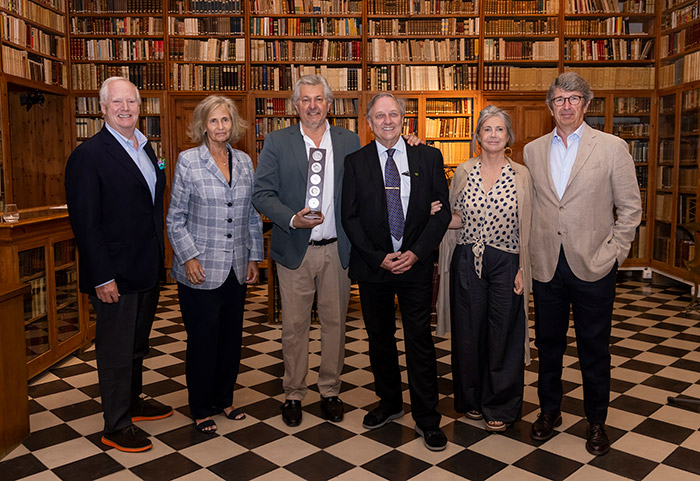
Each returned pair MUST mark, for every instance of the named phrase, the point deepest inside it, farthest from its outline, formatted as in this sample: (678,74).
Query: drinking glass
(11,213)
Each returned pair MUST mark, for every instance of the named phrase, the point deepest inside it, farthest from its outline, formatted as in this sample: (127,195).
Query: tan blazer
(523,190)
(583,221)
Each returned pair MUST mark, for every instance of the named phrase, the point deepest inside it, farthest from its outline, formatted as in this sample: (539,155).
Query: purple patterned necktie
(393,196)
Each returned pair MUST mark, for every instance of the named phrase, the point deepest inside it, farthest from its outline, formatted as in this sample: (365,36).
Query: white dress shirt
(562,158)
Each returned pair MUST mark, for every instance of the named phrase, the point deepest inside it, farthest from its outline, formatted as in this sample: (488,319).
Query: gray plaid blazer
(212,221)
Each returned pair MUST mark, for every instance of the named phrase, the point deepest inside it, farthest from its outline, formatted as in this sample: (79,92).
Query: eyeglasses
(573,100)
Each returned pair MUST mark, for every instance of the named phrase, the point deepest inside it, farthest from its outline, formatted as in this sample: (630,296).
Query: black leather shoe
(597,441)
(332,408)
(434,439)
(130,440)
(146,409)
(291,413)
(543,428)
(379,417)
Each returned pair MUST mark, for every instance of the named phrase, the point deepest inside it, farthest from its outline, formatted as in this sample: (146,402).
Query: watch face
(316,167)
(315,179)
(314,190)
(314,203)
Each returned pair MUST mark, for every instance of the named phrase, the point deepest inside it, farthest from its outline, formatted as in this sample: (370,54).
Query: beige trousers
(320,272)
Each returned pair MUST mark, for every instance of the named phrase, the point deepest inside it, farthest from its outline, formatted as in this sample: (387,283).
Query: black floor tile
(472,466)
(270,388)
(464,434)
(50,436)
(320,466)
(324,435)
(396,466)
(184,437)
(548,465)
(624,464)
(667,384)
(244,467)
(162,387)
(79,410)
(20,467)
(51,387)
(663,431)
(87,469)
(165,468)
(256,435)
(264,409)
(635,405)
(685,459)
(392,434)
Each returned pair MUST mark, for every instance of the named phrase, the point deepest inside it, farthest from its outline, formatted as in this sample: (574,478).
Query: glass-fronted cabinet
(663,186)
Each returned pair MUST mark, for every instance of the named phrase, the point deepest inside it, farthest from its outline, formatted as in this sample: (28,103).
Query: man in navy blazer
(114,190)
(311,253)
(390,260)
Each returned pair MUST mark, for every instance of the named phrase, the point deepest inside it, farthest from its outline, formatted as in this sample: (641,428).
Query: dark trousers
(121,342)
(213,320)
(488,334)
(378,310)
(592,305)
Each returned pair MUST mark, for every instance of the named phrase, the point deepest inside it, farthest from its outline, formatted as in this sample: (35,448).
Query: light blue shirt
(139,156)
(562,158)
(401,160)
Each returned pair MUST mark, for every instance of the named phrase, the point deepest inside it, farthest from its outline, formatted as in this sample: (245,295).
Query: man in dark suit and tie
(386,210)
(114,190)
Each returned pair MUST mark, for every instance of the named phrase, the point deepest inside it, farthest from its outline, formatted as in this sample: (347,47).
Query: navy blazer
(280,190)
(366,220)
(117,227)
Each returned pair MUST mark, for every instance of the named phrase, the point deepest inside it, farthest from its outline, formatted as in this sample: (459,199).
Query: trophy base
(314,214)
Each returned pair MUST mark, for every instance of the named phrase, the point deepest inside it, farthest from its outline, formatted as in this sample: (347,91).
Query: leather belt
(322,242)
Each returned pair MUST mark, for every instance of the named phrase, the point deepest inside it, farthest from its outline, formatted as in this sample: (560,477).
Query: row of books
(642,176)
(666,148)
(449,106)
(20,33)
(633,129)
(612,78)
(604,26)
(410,126)
(267,26)
(185,76)
(448,127)
(55,4)
(688,152)
(91,106)
(596,106)
(305,6)
(541,26)
(316,51)
(31,262)
(608,49)
(422,77)
(87,127)
(211,50)
(265,125)
(680,17)
(117,49)
(421,7)
(677,42)
(502,49)
(205,26)
(116,6)
(116,26)
(89,76)
(639,244)
(33,67)
(688,177)
(610,6)
(632,105)
(550,7)
(411,106)
(639,150)
(453,153)
(231,7)
(35,302)
(664,177)
(663,206)
(448,50)
(432,26)
(346,123)
(283,77)
(36,13)
(691,99)
(503,77)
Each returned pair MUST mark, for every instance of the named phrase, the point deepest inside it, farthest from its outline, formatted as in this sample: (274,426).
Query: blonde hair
(197,129)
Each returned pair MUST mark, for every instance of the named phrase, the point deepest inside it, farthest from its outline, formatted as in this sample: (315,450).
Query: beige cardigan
(523,188)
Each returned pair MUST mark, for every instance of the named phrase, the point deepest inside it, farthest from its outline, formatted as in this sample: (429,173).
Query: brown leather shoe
(543,428)
(597,441)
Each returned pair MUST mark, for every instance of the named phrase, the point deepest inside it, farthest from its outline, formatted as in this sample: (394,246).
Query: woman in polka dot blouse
(489,276)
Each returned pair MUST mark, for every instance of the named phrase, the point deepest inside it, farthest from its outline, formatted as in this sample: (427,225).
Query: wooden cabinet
(40,252)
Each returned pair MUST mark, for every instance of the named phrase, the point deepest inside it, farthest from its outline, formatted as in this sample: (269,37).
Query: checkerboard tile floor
(656,354)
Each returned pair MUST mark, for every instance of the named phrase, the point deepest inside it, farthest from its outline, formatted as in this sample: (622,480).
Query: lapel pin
(161,163)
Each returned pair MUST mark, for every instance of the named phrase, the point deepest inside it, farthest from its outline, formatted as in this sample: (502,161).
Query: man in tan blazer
(584,215)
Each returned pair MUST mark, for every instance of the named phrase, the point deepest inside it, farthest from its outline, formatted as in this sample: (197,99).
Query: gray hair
(104,89)
(400,102)
(493,111)
(196,130)
(312,80)
(570,82)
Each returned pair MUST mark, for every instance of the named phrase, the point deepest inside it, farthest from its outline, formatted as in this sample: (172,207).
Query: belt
(322,242)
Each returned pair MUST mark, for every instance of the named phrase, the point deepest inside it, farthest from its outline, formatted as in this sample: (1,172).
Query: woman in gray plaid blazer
(216,236)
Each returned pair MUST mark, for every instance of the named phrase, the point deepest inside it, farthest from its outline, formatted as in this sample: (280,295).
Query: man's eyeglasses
(573,100)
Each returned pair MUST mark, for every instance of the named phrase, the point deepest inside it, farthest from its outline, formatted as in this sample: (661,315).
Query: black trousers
(488,334)
(377,300)
(592,305)
(213,320)
(121,342)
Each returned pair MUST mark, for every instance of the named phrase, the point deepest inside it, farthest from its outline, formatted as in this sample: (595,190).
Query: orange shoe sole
(118,447)
(151,418)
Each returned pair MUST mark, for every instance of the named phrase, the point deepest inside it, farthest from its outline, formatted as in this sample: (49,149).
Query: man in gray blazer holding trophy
(584,215)
(297,186)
